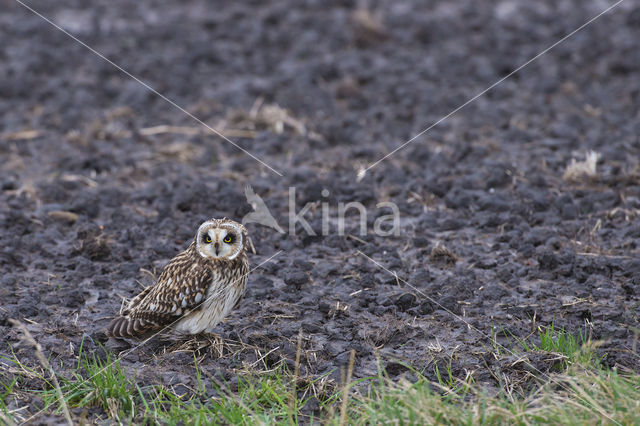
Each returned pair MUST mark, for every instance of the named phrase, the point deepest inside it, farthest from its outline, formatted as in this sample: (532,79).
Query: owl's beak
(216,246)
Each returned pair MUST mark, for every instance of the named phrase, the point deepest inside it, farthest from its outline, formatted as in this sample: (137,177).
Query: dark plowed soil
(95,197)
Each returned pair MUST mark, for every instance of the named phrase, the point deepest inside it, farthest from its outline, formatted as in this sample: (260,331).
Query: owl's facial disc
(224,241)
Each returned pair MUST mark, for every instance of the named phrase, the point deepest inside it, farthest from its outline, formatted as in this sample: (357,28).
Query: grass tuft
(576,349)
(582,392)
(100,383)
(578,396)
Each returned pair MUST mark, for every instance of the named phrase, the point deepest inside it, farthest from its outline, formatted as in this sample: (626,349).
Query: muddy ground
(102,182)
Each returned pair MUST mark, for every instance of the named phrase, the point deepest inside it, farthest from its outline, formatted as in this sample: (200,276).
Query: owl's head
(221,239)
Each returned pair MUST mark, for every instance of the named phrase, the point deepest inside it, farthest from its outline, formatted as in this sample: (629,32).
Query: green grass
(581,392)
(575,397)
(575,348)
(99,383)
(6,390)
(267,398)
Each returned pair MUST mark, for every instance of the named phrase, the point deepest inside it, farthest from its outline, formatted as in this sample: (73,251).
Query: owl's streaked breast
(223,294)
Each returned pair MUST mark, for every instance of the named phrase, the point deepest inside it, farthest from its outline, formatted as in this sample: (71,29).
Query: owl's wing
(136,300)
(181,288)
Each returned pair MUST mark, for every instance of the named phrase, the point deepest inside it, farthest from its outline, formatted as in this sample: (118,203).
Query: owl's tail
(123,327)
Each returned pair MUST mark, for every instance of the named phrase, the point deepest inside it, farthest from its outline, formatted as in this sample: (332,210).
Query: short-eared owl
(197,288)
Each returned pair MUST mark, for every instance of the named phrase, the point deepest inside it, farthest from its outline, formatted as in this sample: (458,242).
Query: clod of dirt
(324,307)
(405,301)
(441,254)
(94,244)
(296,278)
(368,27)
(547,261)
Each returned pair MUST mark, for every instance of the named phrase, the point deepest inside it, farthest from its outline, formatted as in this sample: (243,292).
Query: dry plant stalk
(193,131)
(22,135)
(6,420)
(296,374)
(45,364)
(579,170)
(368,25)
(345,389)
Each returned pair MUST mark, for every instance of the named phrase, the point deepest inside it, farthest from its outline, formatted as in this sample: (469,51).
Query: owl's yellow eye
(207,239)
(228,239)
